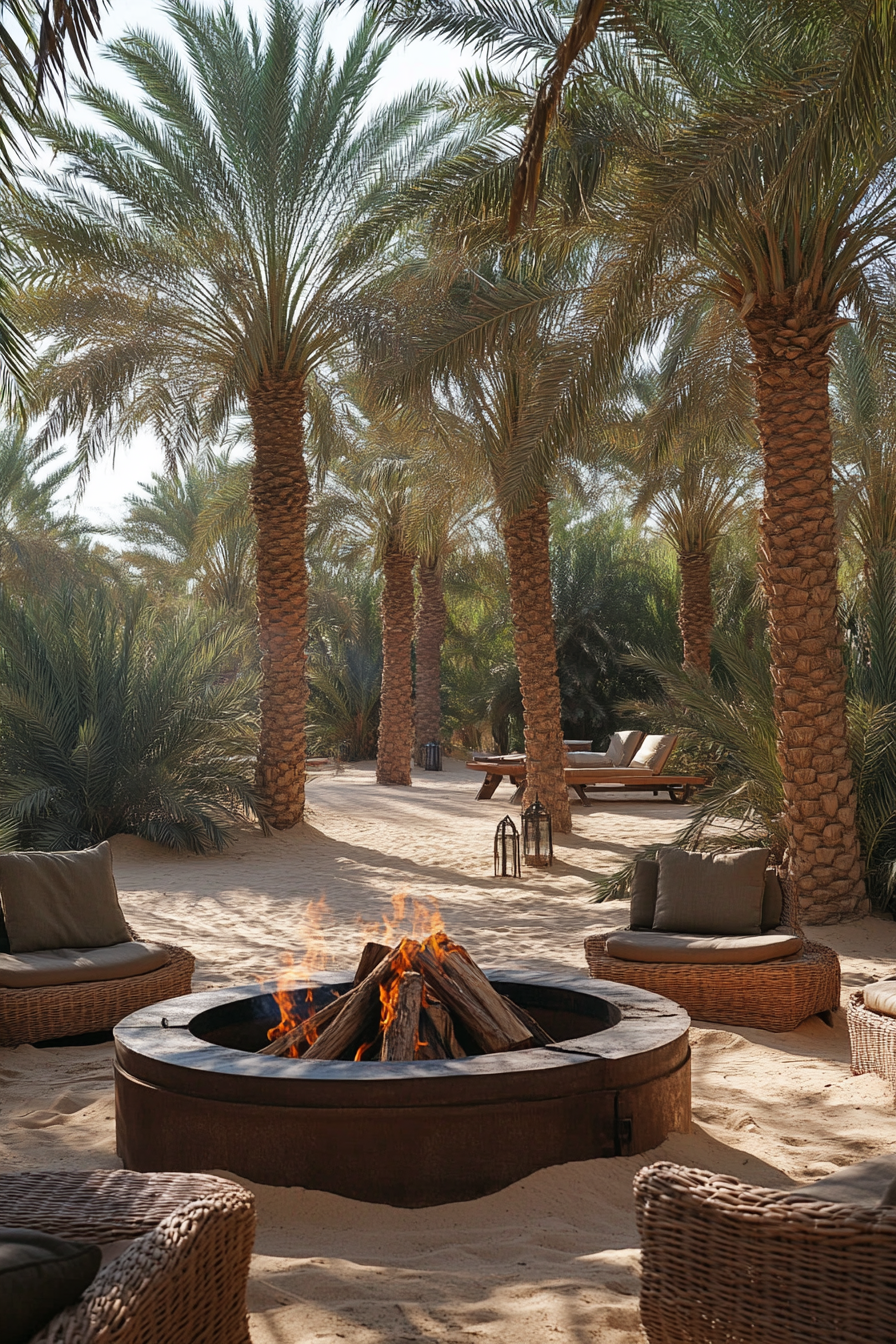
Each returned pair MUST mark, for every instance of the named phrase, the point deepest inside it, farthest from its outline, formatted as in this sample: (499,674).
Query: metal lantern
(507,849)
(432,756)
(538,841)
(345,751)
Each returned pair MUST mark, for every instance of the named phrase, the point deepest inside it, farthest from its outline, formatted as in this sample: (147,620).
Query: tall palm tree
(196,258)
(764,165)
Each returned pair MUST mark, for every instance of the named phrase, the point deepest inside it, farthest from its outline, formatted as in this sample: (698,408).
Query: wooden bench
(496,768)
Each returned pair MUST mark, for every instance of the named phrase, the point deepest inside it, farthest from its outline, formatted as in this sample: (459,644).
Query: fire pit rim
(161,1032)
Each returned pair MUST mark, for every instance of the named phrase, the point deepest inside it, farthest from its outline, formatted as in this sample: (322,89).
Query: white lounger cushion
(881,997)
(74,965)
(618,755)
(654,752)
(701,950)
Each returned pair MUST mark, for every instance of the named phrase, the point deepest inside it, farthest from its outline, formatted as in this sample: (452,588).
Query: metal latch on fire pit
(623,1136)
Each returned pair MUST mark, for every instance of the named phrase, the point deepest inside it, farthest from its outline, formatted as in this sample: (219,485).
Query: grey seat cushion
(39,1276)
(881,997)
(868,1184)
(642,891)
(62,899)
(699,950)
(710,893)
(72,965)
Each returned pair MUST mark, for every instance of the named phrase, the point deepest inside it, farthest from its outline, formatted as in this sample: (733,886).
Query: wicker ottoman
(774,995)
(872,1040)
(182,1279)
(45,1013)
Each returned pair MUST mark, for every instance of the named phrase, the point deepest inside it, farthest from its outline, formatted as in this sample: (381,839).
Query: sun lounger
(643,775)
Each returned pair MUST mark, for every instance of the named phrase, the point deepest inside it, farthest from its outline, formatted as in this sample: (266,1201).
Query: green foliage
(345,666)
(614,590)
(113,720)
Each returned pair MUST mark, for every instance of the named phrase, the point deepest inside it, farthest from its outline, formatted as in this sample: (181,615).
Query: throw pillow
(710,893)
(643,893)
(66,899)
(39,1276)
(772,901)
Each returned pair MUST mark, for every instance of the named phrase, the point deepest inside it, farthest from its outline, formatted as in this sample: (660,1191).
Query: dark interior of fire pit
(243,1024)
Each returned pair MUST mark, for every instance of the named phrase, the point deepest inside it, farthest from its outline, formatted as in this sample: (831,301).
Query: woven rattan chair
(729,1263)
(775,995)
(181,1281)
(872,1039)
(53,1011)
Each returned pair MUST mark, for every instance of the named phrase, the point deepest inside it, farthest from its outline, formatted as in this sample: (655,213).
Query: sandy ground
(554,1257)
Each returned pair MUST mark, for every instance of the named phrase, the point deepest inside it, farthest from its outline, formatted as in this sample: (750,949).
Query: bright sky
(110,481)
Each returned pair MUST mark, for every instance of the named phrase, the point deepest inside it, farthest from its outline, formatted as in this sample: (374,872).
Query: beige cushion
(618,755)
(870,1184)
(71,965)
(629,742)
(710,893)
(581,759)
(647,945)
(654,752)
(881,997)
(65,899)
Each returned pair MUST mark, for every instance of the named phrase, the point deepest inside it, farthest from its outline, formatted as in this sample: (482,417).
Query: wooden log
(359,1013)
(400,1035)
(468,996)
(539,1035)
(373,954)
(435,1020)
(315,1022)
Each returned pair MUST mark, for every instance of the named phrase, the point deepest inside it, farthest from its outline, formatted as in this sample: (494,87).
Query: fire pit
(192,1093)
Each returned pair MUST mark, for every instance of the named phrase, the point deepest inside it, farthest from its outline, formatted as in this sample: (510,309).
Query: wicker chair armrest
(723,1260)
(100,1206)
(182,1281)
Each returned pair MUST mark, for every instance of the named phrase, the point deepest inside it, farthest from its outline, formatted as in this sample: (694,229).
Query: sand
(554,1257)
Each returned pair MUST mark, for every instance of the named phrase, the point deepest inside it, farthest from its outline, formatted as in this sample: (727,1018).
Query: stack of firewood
(424,1000)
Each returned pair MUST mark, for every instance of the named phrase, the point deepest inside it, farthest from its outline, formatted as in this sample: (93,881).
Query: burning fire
(427,935)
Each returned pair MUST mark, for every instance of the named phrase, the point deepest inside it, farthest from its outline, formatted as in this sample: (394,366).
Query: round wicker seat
(872,1039)
(775,995)
(51,1011)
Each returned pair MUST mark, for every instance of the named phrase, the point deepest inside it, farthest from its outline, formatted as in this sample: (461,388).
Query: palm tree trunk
(280,503)
(396,740)
(695,611)
(432,618)
(526,543)
(799,573)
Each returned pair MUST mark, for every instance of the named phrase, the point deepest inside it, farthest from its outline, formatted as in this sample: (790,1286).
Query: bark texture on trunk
(396,740)
(799,572)
(526,543)
(432,619)
(279,497)
(695,611)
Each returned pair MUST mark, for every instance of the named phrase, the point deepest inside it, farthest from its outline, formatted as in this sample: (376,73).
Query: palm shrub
(345,666)
(114,720)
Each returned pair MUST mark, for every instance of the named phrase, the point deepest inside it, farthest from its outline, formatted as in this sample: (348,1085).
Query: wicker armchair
(872,1039)
(775,995)
(182,1281)
(729,1263)
(52,1011)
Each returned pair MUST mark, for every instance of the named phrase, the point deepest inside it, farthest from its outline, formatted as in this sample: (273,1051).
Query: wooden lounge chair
(181,1279)
(872,1030)
(719,979)
(723,1261)
(643,775)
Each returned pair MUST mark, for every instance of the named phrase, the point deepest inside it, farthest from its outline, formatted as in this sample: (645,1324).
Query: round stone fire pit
(191,1094)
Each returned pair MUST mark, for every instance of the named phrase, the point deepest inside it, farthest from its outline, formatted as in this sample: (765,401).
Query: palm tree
(196,258)
(767,184)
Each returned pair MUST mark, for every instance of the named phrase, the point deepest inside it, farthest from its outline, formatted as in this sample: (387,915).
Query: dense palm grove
(465,443)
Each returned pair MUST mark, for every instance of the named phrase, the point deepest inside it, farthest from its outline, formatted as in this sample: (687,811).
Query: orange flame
(315,958)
